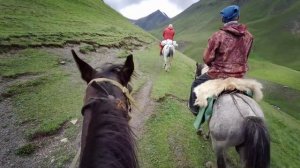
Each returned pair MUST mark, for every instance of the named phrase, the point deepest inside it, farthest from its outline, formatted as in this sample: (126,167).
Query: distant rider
(168,33)
(226,53)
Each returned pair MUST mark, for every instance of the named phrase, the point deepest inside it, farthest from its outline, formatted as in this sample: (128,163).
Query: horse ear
(87,72)
(127,69)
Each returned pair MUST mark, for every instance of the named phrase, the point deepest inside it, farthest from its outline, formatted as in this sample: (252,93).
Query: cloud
(120,4)
(135,9)
(183,4)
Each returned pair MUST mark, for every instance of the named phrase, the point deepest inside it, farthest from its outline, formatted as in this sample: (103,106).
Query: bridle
(129,99)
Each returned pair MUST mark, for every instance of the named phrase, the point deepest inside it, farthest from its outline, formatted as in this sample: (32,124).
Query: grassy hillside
(274,24)
(57,22)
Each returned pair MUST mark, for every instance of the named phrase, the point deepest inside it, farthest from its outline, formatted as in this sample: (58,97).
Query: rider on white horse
(168,34)
(227,52)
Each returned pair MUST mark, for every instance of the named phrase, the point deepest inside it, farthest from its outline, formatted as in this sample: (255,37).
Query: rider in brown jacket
(227,51)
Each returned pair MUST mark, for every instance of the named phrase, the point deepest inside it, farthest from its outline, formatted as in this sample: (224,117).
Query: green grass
(275,73)
(26,150)
(86,49)
(31,23)
(26,62)
(285,98)
(285,132)
(123,53)
(171,141)
(46,101)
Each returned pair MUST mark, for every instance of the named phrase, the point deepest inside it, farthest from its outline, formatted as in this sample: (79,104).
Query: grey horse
(238,121)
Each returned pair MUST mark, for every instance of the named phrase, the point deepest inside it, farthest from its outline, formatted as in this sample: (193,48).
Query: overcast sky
(135,9)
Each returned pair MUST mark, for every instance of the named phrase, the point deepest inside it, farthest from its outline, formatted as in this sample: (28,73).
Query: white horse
(168,52)
(238,121)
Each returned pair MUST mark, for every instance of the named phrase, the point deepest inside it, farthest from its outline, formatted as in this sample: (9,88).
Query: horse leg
(241,151)
(171,59)
(167,64)
(220,152)
(220,158)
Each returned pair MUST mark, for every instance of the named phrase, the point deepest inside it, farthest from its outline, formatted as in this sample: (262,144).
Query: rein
(237,106)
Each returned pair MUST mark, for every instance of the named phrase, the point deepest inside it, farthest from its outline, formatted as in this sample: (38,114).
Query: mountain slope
(274,24)
(55,22)
(152,21)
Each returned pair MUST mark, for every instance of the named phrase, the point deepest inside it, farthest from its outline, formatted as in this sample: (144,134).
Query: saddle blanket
(169,42)
(208,91)
(212,88)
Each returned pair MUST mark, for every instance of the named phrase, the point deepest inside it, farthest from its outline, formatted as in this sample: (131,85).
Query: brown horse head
(106,136)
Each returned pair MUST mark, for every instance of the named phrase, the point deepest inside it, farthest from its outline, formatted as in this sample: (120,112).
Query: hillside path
(146,105)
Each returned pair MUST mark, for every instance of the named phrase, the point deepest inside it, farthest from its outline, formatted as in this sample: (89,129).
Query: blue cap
(230,13)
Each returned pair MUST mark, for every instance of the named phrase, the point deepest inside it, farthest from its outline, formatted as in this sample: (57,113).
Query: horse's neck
(109,141)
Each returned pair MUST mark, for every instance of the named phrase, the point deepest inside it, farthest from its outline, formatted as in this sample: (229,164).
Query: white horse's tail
(171,52)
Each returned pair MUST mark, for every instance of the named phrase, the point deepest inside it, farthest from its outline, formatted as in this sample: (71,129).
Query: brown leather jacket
(227,51)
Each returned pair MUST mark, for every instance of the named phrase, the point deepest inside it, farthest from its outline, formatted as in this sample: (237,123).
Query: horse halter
(124,90)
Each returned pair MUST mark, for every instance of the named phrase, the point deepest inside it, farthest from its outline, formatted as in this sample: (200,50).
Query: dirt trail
(146,105)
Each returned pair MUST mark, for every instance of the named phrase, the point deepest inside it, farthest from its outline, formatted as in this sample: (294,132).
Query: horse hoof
(200,131)
(206,137)
(209,164)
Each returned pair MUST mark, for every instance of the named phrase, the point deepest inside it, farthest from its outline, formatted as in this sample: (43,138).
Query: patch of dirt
(11,133)
(178,153)
(295,28)
(182,45)
(146,109)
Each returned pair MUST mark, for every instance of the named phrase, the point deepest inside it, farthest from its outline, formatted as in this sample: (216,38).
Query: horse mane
(109,142)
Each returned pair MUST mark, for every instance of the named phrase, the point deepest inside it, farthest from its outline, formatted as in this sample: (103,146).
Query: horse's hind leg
(220,152)
(241,151)
(220,158)
(167,64)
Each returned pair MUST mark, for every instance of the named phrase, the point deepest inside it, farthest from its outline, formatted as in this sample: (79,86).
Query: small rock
(52,160)
(285,86)
(64,140)
(62,62)
(209,164)
(74,121)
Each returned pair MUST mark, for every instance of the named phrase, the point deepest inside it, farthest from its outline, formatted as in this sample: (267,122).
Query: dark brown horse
(107,140)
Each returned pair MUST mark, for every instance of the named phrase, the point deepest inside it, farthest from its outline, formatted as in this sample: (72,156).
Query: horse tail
(170,54)
(257,143)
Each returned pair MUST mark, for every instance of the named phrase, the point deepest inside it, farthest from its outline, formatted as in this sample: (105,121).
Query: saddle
(169,42)
(209,91)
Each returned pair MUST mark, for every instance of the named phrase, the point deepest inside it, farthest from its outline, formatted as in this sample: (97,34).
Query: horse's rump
(171,52)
